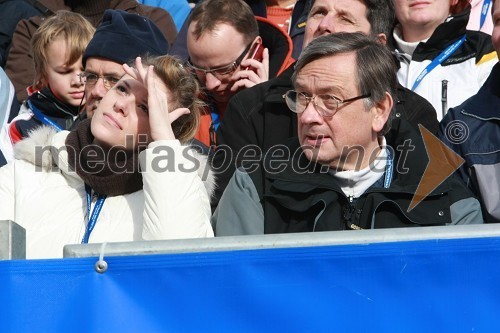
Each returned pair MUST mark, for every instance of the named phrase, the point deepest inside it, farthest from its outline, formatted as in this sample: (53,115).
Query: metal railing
(12,241)
(326,238)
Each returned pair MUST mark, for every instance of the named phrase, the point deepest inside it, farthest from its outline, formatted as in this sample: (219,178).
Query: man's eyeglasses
(326,105)
(220,72)
(91,79)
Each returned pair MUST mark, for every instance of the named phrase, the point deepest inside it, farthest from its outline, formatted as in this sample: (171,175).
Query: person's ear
(382,38)
(39,84)
(381,111)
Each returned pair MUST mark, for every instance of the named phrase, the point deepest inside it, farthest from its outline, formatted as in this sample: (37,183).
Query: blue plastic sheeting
(421,286)
(178,9)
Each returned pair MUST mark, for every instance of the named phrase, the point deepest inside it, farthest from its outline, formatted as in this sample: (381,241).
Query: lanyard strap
(214,124)
(216,119)
(92,216)
(388,169)
(438,61)
(44,119)
(484,13)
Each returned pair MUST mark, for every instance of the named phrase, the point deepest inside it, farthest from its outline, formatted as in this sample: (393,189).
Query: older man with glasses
(257,118)
(341,173)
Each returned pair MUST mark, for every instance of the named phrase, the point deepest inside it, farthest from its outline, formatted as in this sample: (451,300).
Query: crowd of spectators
(142,120)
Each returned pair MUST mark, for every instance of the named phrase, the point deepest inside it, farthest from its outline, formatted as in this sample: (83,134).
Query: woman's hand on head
(160,120)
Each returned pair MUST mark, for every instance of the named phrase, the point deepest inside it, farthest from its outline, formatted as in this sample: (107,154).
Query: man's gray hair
(376,67)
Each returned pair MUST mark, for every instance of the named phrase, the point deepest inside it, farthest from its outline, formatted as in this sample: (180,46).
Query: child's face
(64,80)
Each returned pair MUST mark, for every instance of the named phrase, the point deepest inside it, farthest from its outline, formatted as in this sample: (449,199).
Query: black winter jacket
(302,197)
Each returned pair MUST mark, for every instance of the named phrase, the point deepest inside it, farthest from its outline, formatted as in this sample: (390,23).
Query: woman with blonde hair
(124,175)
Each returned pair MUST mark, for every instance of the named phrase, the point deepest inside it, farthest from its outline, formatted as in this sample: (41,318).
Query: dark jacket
(11,12)
(297,27)
(20,67)
(258,118)
(44,101)
(472,130)
(302,196)
(298,22)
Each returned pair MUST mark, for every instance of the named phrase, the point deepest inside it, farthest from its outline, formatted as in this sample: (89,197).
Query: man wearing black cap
(120,38)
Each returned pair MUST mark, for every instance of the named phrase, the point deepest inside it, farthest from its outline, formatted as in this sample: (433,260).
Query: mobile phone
(257,53)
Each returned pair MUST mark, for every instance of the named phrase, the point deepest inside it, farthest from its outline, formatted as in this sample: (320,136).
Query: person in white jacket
(123,175)
(439,58)
(480,16)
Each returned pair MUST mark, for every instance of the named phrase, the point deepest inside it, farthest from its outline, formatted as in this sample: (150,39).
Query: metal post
(12,241)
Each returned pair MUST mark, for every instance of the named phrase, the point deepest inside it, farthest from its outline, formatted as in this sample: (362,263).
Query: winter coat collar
(485,105)
(445,34)
(46,148)
(305,193)
(45,101)
(410,162)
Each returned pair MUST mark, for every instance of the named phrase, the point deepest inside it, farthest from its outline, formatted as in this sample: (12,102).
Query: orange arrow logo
(443,162)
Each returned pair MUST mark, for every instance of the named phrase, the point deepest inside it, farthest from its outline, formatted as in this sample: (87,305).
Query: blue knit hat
(122,37)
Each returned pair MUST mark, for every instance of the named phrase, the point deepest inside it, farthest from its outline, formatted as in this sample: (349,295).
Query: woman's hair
(185,92)
(73,27)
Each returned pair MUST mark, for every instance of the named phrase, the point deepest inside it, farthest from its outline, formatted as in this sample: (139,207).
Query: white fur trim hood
(44,143)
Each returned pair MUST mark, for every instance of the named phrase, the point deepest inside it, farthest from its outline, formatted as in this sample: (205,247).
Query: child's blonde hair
(75,28)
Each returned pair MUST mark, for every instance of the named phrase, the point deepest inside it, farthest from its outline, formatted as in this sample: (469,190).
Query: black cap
(122,37)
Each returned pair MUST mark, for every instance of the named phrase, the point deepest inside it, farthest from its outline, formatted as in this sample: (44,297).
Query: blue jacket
(472,130)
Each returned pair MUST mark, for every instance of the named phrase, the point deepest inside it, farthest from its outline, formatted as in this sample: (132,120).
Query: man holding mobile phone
(226,53)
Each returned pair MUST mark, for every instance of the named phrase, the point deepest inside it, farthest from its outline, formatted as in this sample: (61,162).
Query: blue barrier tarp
(418,286)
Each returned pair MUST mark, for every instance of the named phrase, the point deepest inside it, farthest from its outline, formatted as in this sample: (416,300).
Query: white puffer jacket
(48,199)
(464,71)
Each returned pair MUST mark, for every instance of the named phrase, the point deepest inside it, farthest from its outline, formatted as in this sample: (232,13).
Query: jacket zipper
(350,212)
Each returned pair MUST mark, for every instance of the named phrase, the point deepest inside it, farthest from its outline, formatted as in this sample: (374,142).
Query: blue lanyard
(484,12)
(44,119)
(215,117)
(92,216)
(438,61)
(388,169)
